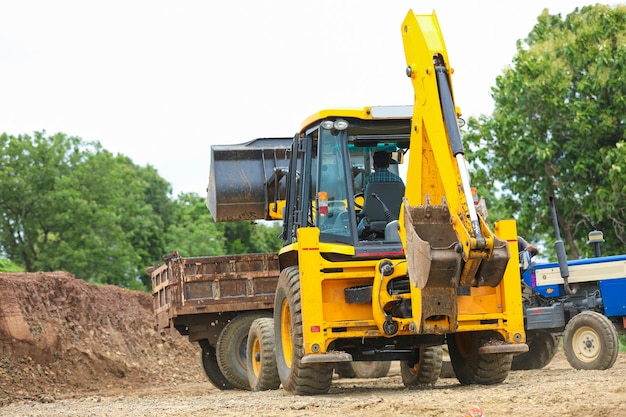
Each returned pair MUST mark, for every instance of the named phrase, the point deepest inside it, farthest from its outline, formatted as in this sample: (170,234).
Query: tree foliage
(70,205)
(246,237)
(193,232)
(558,130)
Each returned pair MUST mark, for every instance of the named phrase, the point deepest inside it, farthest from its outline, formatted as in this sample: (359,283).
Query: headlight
(341,124)
(338,124)
(327,124)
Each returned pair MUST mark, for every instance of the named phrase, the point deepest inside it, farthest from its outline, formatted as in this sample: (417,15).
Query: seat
(373,212)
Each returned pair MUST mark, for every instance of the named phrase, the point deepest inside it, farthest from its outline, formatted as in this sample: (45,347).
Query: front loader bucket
(245,179)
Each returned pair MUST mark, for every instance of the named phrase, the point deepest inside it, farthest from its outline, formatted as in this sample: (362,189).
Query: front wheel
(472,368)
(423,369)
(590,341)
(231,348)
(296,377)
(261,359)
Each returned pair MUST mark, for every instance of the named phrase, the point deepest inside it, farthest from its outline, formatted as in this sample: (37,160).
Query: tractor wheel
(231,349)
(345,370)
(261,358)
(371,369)
(296,377)
(211,368)
(472,368)
(424,369)
(590,341)
(542,346)
(363,369)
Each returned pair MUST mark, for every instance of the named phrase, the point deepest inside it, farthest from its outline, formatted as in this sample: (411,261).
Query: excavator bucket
(433,252)
(435,255)
(247,181)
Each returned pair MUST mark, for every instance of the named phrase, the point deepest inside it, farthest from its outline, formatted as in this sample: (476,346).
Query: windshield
(334,193)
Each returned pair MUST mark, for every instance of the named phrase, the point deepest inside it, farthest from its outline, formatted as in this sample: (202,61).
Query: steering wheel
(359,194)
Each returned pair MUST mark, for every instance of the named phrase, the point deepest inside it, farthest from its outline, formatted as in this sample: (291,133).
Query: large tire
(261,356)
(296,377)
(363,369)
(424,369)
(231,348)
(590,341)
(472,368)
(542,346)
(211,368)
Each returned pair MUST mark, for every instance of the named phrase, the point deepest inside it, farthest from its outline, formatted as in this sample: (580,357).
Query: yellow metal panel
(310,261)
(335,307)
(510,287)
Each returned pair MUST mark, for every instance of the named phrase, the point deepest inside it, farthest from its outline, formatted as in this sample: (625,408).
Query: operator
(523,245)
(526,251)
(381,172)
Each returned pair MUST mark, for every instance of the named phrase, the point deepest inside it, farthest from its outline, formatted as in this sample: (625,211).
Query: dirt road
(68,348)
(556,390)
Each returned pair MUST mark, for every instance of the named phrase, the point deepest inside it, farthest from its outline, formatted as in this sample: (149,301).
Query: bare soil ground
(68,348)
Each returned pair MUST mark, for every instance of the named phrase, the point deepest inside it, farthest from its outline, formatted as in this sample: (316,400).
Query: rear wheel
(296,377)
(423,369)
(472,368)
(542,346)
(211,368)
(261,358)
(231,349)
(590,341)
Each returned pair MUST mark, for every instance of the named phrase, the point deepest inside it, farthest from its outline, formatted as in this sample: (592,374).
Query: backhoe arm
(447,243)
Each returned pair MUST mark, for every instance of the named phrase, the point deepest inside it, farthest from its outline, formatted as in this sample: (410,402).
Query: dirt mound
(62,337)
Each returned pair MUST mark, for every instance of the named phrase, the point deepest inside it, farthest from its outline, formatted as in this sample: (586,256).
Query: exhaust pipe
(559,246)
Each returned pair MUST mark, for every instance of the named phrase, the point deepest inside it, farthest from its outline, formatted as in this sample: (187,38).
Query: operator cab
(332,158)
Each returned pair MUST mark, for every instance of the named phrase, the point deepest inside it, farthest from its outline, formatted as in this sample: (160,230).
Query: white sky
(161,81)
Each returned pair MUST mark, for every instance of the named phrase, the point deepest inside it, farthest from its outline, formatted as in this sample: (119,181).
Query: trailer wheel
(472,368)
(211,368)
(424,369)
(542,346)
(296,377)
(363,369)
(590,341)
(231,348)
(261,358)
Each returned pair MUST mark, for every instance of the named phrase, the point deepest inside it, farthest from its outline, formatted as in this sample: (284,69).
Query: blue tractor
(582,300)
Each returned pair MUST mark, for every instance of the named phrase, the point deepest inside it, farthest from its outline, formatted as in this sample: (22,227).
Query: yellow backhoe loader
(383,271)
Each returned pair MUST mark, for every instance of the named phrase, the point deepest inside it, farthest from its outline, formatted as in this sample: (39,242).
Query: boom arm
(438,172)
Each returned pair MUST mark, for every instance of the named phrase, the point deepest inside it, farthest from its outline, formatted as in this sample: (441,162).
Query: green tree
(251,237)
(192,231)
(8,266)
(266,238)
(558,130)
(69,205)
